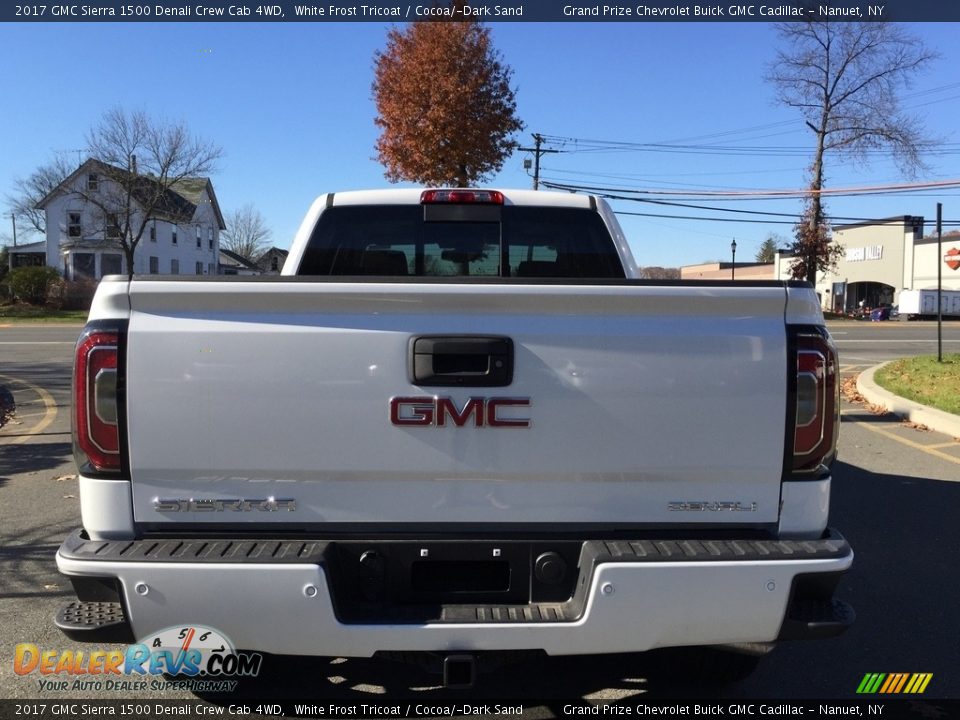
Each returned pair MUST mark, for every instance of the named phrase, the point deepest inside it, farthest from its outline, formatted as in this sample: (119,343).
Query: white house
(232,263)
(83,240)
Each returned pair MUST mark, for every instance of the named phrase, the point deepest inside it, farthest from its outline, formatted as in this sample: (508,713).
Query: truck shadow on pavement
(903,583)
(34,457)
(534,681)
(904,533)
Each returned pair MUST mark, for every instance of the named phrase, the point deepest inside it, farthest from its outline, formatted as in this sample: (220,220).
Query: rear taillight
(465,197)
(96,401)
(816,420)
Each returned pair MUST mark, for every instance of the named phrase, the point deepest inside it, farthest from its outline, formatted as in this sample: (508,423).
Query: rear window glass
(508,241)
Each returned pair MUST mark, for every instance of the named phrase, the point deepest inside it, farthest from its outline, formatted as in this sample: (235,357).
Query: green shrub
(77,295)
(32,284)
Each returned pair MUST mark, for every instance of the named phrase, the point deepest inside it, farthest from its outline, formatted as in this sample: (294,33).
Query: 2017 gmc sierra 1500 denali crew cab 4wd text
(456,423)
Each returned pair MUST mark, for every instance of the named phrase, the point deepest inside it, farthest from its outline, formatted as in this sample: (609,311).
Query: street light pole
(939,282)
(733,256)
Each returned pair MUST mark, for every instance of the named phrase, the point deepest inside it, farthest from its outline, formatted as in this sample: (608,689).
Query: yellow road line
(22,416)
(937,446)
(910,443)
(49,415)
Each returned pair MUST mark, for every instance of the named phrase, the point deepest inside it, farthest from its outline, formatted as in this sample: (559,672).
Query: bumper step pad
(94,621)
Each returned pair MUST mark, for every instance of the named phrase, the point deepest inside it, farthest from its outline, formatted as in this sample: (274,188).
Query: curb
(937,420)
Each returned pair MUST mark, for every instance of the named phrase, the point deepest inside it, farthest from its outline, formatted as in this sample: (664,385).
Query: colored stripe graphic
(894,683)
(870,683)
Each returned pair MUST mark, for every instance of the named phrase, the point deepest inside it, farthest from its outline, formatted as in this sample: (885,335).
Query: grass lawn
(925,380)
(34,314)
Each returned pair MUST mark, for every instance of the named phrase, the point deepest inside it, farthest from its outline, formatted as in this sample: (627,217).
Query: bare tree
(141,162)
(29,191)
(246,233)
(845,79)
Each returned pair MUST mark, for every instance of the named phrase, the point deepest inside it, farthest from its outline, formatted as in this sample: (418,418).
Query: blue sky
(291,106)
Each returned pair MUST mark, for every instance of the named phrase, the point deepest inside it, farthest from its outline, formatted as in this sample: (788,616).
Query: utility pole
(13,221)
(537,152)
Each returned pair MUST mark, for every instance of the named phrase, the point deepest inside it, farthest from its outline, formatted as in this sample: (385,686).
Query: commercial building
(879,260)
(728,271)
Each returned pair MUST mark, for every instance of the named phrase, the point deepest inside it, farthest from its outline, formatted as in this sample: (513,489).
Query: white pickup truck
(457,423)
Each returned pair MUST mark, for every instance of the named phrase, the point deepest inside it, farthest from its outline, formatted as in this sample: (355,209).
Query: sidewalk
(937,420)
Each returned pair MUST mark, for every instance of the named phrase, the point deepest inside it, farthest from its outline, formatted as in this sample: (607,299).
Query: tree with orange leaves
(445,107)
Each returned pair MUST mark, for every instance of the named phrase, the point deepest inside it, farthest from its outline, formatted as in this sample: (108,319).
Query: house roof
(192,189)
(37,247)
(178,202)
(232,259)
(271,252)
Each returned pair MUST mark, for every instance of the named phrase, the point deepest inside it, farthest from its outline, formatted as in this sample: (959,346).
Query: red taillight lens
(817,405)
(476,197)
(96,409)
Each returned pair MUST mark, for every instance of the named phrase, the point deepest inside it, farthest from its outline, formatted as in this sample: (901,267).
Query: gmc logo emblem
(428,411)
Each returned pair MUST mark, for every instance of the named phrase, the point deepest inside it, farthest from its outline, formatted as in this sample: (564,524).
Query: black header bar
(401,11)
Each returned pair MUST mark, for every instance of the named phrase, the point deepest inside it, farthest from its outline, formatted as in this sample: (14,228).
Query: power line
(734,210)
(854,191)
(743,220)
(583,145)
(794,218)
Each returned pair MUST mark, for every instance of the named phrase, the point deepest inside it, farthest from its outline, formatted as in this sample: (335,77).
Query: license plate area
(442,577)
(458,572)
(423,579)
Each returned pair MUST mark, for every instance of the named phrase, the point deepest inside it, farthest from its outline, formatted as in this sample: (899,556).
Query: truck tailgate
(646,405)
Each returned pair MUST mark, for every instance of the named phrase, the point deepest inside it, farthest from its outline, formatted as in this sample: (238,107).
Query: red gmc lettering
(412,411)
(446,406)
(435,411)
(493,404)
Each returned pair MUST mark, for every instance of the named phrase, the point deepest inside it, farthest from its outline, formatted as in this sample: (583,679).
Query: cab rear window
(507,241)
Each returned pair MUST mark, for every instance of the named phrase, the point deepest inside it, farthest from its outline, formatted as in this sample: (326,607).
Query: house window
(199,238)
(199,268)
(93,182)
(153,232)
(113,226)
(174,236)
(74,228)
(174,267)
(274,263)
(154,265)
(211,269)
(84,266)
(210,237)
(110,264)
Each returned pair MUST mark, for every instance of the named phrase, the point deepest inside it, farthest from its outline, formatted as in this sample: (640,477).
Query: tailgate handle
(461,361)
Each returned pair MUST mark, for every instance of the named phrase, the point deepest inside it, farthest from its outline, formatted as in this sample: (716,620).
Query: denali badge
(168,505)
(428,411)
(712,506)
